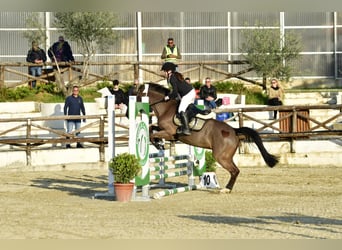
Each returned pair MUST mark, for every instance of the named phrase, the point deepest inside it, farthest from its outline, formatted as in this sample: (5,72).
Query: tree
(90,30)
(37,30)
(270,53)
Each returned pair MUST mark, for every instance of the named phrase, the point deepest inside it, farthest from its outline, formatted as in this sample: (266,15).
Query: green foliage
(266,50)
(104,84)
(91,30)
(35,21)
(48,88)
(197,85)
(43,93)
(210,161)
(15,94)
(88,94)
(223,87)
(230,87)
(124,167)
(256,97)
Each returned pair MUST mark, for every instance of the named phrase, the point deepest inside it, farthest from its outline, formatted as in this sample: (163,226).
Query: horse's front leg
(157,137)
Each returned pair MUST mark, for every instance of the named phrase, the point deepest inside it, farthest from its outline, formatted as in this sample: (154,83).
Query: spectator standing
(209,94)
(171,52)
(74,106)
(120,99)
(38,56)
(61,51)
(133,87)
(275,95)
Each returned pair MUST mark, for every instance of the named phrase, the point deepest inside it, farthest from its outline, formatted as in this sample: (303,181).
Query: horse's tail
(271,160)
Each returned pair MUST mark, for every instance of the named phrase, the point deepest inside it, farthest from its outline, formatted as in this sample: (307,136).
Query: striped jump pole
(168,167)
(168,192)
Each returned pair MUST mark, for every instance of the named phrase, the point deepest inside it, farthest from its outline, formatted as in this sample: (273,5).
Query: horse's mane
(158,88)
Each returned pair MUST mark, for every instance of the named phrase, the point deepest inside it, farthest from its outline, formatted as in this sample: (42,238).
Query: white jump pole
(111,147)
(111,140)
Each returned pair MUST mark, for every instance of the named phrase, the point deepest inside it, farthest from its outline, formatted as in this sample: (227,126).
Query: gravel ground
(279,203)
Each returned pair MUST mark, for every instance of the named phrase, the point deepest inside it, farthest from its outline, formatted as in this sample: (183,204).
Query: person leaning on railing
(275,95)
(38,56)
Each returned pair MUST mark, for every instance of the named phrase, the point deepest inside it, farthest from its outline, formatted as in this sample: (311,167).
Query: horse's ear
(140,87)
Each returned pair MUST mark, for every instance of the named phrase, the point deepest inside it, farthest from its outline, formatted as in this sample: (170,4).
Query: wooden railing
(134,68)
(32,133)
(293,122)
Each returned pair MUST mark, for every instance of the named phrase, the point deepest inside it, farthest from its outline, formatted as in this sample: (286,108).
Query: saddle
(197,117)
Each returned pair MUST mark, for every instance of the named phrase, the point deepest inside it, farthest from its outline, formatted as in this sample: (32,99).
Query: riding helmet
(169,66)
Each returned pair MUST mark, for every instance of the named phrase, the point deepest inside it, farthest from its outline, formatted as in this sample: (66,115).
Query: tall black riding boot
(185,123)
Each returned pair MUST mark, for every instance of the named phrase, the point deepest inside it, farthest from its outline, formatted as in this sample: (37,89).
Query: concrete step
(303,98)
(314,98)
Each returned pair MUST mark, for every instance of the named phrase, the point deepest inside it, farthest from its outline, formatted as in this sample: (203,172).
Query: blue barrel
(222,116)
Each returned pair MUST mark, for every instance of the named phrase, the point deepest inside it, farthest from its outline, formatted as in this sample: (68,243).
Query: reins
(162,100)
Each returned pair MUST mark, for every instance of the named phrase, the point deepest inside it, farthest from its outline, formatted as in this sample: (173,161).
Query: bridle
(146,94)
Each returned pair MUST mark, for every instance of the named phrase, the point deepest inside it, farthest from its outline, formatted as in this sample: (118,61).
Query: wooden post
(28,145)
(2,77)
(293,130)
(101,134)
(136,71)
(240,115)
(70,73)
(200,73)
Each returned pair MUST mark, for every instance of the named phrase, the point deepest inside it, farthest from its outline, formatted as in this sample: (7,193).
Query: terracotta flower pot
(123,191)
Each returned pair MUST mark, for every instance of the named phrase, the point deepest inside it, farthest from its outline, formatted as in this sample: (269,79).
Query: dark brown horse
(218,136)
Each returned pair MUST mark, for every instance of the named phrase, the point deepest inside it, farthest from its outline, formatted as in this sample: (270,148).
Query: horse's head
(154,91)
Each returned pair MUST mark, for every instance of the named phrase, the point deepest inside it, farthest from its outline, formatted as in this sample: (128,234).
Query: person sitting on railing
(120,99)
(275,95)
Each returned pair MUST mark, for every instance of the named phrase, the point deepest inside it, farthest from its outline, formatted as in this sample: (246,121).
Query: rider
(180,89)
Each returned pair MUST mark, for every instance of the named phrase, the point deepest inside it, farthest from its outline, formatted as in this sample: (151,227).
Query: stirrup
(188,132)
(179,130)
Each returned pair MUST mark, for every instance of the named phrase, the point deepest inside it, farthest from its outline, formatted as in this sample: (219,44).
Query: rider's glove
(166,98)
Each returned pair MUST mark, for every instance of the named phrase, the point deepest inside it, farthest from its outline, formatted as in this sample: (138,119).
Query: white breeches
(187,100)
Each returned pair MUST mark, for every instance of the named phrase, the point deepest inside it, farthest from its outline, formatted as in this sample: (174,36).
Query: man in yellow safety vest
(171,52)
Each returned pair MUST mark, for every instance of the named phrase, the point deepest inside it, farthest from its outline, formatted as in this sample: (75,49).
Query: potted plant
(124,167)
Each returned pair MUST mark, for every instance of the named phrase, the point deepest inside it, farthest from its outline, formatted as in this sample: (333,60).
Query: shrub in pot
(125,167)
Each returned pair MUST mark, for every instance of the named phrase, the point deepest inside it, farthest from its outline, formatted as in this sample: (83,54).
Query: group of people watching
(60,51)
(181,88)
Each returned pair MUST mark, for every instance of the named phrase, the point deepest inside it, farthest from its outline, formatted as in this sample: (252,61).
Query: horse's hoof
(225,191)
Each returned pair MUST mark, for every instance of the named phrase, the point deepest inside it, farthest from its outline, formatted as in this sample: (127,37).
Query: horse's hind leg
(234,172)
(224,156)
